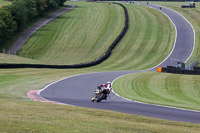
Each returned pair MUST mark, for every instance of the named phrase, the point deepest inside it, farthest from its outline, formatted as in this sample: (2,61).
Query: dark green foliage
(26,10)
(7,24)
(32,11)
(53,3)
(21,12)
(42,5)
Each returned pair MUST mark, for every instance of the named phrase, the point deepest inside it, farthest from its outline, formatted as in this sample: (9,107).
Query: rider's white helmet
(108,82)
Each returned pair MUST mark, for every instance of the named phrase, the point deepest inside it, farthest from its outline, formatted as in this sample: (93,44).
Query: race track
(78,90)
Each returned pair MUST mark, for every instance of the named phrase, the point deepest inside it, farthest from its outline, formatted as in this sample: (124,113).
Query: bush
(7,24)
(21,12)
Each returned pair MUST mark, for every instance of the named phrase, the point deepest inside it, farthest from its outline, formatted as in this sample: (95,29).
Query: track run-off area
(78,90)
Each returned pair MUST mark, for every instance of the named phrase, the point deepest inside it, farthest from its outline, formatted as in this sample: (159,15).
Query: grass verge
(23,116)
(85,32)
(19,115)
(149,40)
(192,15)
(81,35)
(181,91)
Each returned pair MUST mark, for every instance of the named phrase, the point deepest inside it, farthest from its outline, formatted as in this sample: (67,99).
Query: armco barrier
(82,65)
(188,6)
(177,70)
(197,68)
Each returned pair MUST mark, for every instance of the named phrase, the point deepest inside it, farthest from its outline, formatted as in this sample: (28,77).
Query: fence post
(189,64)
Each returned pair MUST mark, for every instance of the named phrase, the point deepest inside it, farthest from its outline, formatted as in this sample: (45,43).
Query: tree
(19,12)
(14,17)
(31,7)
(42,5)
(61,2)
(7,25)
(53,3)
(2,30)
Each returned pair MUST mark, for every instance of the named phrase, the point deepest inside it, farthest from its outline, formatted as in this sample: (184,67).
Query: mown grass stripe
(149,58)
(133,42)
(125,56)
(131,53)
(160,88)
(187,90)
(86,64)
(105,33)
(83,47)
(150,41)
(144,43)
(43,117)
(129,44)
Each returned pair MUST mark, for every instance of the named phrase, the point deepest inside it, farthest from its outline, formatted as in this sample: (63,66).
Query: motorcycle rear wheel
(100,97)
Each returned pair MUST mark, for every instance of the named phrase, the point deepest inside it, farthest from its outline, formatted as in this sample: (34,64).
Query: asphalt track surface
(78,90)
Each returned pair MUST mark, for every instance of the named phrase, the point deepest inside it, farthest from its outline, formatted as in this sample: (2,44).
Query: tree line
(17,15)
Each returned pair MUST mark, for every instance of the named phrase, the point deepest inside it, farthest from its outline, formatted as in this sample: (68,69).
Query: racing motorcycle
(100,94)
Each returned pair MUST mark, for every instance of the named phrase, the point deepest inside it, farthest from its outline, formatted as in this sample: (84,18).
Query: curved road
(78,90)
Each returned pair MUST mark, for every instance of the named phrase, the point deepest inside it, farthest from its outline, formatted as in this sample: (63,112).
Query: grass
(84,32)
(21,32)
(3,3)
(145,45)
(192,15)
(175,90)
(19,115)
(5,58)
(16,82)
(148,41)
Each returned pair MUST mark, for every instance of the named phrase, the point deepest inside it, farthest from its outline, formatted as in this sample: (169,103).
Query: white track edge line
(149,103)
(190,26)
(162,62)
(174,39)
(126,74)
(46,86)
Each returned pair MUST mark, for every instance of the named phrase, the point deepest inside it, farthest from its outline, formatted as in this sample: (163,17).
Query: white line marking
(190,26)
(174,40)
(126,74)
(162,62)
(149,103)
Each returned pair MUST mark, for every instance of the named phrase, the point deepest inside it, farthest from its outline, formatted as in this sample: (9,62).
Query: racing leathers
(106,89)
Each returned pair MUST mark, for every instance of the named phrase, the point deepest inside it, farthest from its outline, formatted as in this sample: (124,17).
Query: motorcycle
(100,94)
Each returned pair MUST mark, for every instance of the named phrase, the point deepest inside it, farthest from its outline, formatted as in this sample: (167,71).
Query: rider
(107,88)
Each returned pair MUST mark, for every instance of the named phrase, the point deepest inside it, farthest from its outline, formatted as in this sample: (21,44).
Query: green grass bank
(18,114)
(192,15)
(80,35)
(166,89)
(175,90)
(70,40)
(149,40)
